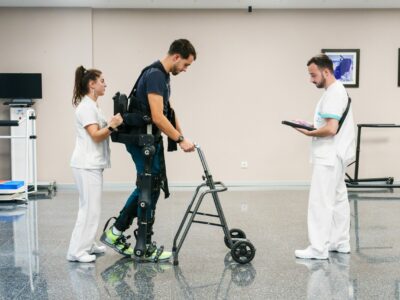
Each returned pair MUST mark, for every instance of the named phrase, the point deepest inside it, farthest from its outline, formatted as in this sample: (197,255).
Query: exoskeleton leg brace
(145,186)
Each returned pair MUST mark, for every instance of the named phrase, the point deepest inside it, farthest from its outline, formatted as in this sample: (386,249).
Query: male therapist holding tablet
(333,148)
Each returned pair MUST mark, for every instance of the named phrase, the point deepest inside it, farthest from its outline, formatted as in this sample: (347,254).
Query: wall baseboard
(190,186)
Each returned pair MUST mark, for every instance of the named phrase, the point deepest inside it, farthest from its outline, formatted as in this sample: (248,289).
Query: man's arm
(177,124)
(330,129)
(156,107)
(161,121)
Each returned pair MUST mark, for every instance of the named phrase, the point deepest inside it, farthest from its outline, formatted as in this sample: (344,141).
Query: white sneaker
(340,249)
(83,259)
(309,253)
(87,258)
(97,249)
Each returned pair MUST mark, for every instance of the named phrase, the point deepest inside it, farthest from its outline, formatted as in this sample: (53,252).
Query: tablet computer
(297,125)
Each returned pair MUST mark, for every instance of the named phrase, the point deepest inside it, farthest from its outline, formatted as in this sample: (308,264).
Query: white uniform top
(332,105)
(87,153)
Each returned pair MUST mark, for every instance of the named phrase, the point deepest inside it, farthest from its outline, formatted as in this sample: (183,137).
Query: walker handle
(202,159)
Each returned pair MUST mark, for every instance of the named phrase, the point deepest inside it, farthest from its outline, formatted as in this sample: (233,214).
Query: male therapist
(333,148)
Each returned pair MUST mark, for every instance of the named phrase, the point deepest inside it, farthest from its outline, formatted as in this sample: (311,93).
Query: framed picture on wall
(346,65)
(398,76)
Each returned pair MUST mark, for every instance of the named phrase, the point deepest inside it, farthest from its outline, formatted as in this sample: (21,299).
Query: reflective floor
(34,240)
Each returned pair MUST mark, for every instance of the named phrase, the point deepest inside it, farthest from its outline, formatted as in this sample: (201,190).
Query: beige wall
(250,74)
(52,42)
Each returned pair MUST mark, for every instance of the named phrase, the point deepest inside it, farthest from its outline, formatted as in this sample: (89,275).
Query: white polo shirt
(332,105)
(87,153)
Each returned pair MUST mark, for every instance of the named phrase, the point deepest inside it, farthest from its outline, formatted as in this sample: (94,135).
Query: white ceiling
(205,4)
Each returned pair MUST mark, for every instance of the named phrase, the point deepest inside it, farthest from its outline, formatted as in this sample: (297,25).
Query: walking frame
(242,250)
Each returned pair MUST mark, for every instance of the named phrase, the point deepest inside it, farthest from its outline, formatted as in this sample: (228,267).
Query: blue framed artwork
(398,76)
(346,65)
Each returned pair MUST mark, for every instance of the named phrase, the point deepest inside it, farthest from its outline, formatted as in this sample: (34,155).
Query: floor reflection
(375,251)
(129,279)
(83,280)
(329,279)
(19,246)
(233,273)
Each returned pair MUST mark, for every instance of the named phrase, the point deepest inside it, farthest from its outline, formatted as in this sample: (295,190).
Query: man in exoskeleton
(152,93)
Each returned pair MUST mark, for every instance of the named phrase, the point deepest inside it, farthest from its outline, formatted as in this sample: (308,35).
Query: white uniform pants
(90,185)
(328,208)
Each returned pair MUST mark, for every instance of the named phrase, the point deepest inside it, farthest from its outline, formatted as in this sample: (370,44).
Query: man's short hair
(322,61)
(182,47)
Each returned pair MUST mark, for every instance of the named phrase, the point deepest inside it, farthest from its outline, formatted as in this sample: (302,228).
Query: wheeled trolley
(242,250)
(382,182)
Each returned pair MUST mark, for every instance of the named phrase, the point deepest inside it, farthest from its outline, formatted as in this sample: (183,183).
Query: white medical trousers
(328,208)
(90,184)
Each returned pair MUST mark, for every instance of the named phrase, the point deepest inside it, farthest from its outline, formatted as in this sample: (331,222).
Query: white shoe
(309,253)
(340,249)
(83,259)
(97,249)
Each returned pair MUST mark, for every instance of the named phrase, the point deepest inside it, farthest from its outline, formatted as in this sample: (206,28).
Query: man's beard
(174,70)
(321,84)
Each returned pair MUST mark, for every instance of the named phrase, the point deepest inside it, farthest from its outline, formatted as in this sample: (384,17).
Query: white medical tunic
(328,207)
(332,105)
(87,153)
(88,161)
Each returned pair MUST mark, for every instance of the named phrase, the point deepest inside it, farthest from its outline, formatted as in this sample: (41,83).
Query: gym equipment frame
(29,137)
(356,182)
(242,250)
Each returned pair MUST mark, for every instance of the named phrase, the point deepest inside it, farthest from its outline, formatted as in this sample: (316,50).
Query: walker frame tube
(213,188)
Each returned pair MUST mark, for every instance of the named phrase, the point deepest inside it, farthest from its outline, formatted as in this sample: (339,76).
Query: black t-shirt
(154,81)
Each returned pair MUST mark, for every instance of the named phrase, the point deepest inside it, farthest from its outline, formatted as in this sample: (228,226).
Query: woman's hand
(115,121)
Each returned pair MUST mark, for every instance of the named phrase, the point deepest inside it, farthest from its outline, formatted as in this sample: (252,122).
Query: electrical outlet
(244,165)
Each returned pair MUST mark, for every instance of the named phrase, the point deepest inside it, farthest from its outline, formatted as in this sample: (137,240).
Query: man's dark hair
(182,47)
(322,61)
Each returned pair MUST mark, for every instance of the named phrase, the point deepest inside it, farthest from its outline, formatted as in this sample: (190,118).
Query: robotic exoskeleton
(139,130)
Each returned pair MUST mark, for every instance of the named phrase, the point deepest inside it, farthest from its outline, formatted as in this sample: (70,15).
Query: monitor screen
(20,85)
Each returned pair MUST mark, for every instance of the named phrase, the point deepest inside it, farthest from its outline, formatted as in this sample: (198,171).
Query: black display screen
(20,85)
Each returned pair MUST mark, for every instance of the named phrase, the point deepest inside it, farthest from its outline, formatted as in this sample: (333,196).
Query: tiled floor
(34,240)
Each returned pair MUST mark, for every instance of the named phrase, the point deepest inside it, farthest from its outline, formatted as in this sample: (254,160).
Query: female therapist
(89,158)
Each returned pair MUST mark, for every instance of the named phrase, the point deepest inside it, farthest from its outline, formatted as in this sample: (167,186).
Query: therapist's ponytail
(81,87)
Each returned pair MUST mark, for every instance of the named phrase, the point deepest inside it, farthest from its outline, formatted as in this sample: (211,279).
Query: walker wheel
(235,234)
(243,252)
